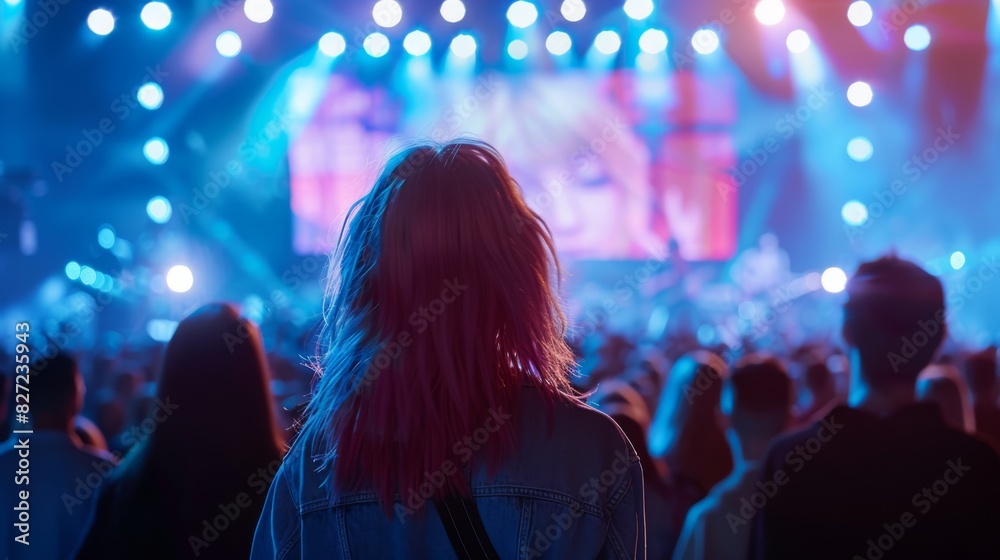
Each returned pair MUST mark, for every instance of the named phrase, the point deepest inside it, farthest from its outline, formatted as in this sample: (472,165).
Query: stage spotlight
(638,9)
(156,151)
(88,276)
(106,237)
(797,41)
(258,11)
(522,14)
(558,43)
(156,15)
(517,49)
(463,45)
(653,41)
(859,94)
(573,10)
(179,278)
(957,260)
(452,10)
(860,149)
(854,213)
(150,96)
(387,13)
(705,41)
(159,210)
(859,13)
(769,12)
(72,270)
(607,42)
(229,44)
(417,43)
(917,38)
(332,44)
(101,22)
(834,280)
(376,45)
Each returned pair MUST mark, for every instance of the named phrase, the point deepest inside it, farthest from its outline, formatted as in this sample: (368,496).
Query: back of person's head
(981,373)
(757,398)
(942,384)
(685,430)
(895,319)
(213,395)
(440,306)
(57,393)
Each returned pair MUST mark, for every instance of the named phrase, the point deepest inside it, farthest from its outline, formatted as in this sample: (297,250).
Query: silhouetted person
(756,405)
(63,474)
(884,476)
(685,433)
(943,385)
(444,393)
(822,388)
(194,486)
(981,374)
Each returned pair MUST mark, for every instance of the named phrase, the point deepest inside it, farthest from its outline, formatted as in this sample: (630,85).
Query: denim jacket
(573,492)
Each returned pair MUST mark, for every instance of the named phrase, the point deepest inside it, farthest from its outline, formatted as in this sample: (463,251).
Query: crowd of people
(446,417)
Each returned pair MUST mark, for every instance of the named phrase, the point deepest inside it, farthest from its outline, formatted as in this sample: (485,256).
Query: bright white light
(854,213)
(72,270)
(156,151)
(647,62)
(653,41)
(522,14)
(258,11)
(452,10)
(387,13)
(463,45)
(417,43)
(797,41)
(573,10)
(638,9)
(917,38)
(376,45)
(860,148)
(705,41)
(607,42)
(150,95)
(332,44)
(558,43)
(769,12)
(859,94)
(957,260)
(106,238)
(517,49)
(179,278)
(156,15)
(859,13)
(101,22)
(159,210)
(229,44)
(834,280)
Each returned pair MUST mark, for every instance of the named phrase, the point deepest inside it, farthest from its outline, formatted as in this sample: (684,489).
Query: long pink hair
(440,306)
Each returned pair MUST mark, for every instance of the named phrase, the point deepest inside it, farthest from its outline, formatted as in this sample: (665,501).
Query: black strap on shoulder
(465,528)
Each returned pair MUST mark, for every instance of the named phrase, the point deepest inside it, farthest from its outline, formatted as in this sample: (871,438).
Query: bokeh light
(156,15)
(638,9)
(917,38)
(705,41)
(859,94)
(573,10)
(156,151)
(452,10)
(258,11)
(769,12)
(517,49)
(332,44)
(229,44)
(607,42)
(73,270)
(376,45)
(150,96)
(854,213)
(653,41)
(957,260)
(522,14)
(417,43)
(558,43)
(859,13)
(463,45)
(179,278)
(834,280)
(101,21)
(798,41)
(387,13)
(159,209)
(860,148)
(106,237)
